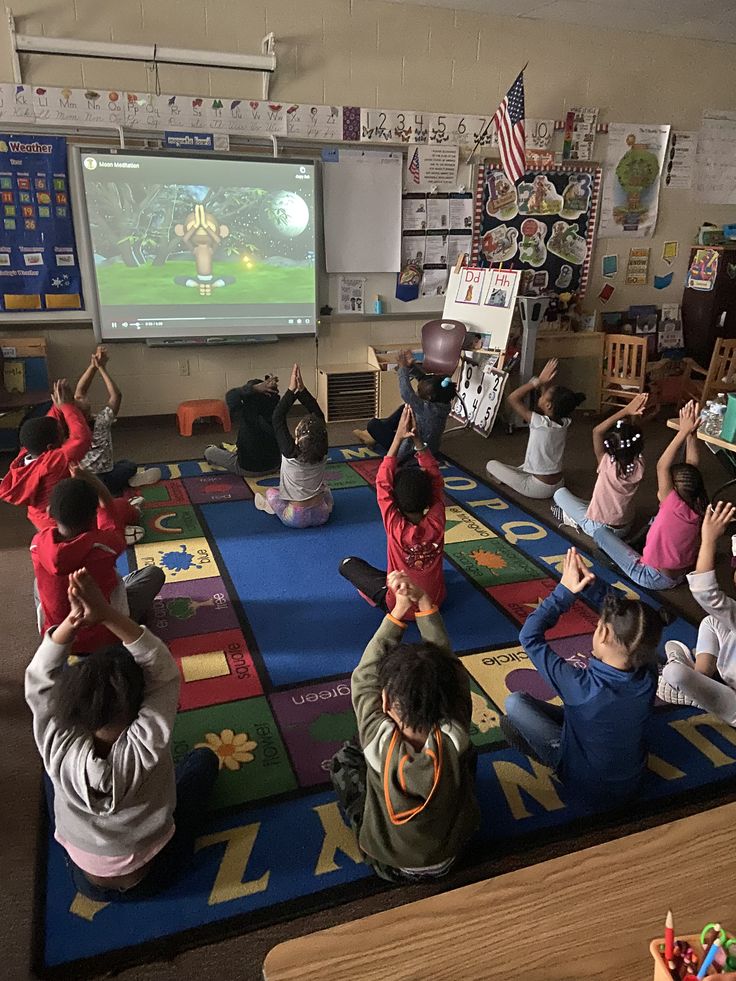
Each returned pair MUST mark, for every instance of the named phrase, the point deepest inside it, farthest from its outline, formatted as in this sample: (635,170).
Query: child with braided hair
(302,499)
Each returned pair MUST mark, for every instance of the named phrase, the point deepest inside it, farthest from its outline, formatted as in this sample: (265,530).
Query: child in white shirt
(540,475)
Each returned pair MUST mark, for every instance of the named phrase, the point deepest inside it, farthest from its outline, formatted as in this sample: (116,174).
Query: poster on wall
(544,225)
(579,137)
(38,257)
(716,159)
(435,230)
(632,171)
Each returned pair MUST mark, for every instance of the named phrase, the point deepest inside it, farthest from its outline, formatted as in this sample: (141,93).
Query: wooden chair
(624,369)
(719,377)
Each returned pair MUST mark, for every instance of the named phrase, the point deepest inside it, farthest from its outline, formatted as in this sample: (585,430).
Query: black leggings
(368,580)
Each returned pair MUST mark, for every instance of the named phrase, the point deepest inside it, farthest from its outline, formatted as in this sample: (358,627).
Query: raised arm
(689,420)
(86,378)
(703,583)
(635,409)
(286,444)
(79,439)
(114,395)
(515,400)
(569,682)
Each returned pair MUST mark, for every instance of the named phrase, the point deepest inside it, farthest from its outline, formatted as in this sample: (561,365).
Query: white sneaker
(677,651)
(145,477)
(262,504)
(136,501)
(134,534)
(560,515)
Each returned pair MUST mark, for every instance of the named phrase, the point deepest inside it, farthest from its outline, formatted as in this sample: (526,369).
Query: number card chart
(480,389)
(484,300)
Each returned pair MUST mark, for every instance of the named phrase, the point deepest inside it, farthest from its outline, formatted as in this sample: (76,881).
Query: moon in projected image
(287,213)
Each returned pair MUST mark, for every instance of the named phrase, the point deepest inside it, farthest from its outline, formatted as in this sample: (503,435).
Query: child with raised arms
(302,499)
(103,725)
(540,475)
(597,740)
(671,545)
(707,676)
(408,788)
(618,445)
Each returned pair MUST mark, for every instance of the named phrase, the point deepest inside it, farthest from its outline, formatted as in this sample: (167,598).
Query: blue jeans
(577,509)
(116,480)
(539,723)
(629,560)
(195,780)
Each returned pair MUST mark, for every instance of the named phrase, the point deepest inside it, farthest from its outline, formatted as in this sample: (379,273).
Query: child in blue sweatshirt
(597,742)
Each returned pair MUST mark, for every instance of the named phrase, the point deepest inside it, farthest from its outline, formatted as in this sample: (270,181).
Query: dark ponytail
(687,481)
(564,402)
(636,626)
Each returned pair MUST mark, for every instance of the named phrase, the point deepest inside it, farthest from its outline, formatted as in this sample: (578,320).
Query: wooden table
(22,400)
(586,916)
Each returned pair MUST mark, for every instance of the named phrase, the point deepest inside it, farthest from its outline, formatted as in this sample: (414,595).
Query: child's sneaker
(145,477)
(136,501)
(675,651)
(560,515)
(134,534)
(364,437)
(262,504)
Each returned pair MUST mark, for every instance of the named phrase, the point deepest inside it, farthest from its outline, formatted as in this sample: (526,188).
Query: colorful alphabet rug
(266,634)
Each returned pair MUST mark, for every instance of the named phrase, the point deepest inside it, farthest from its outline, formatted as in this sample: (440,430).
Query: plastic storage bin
(728,429)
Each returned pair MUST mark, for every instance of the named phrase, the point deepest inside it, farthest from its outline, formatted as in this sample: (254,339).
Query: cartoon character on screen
(202,234)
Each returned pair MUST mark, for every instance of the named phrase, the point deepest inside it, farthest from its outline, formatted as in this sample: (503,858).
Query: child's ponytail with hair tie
(446,382)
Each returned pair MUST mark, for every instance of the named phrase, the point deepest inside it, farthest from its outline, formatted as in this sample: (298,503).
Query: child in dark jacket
(412,503)
(48,445)
(89,532)
(302,499)
(257,452)
(597,742)
(408,791)
(103,725)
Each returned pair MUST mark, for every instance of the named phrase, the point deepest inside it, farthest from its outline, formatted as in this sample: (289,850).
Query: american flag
(509,122)
(414,167)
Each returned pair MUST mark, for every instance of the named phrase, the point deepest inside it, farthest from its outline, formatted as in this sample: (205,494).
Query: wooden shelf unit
(348,392)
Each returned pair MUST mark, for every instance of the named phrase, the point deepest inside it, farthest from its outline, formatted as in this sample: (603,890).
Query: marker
(669,936)
(709,957)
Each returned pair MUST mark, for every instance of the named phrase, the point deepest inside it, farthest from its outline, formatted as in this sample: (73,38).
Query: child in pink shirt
(618,445)
(671,547)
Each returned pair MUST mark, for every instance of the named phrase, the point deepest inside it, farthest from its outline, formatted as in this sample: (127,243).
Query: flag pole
(485,128)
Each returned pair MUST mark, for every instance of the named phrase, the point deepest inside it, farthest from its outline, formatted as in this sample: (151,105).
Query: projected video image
(195,247)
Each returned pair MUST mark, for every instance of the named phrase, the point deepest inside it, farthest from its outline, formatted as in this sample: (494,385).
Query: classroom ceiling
(707,20)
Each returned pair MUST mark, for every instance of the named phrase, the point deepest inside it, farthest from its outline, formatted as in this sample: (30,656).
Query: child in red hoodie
(412,506)
(89,533)
(48,445)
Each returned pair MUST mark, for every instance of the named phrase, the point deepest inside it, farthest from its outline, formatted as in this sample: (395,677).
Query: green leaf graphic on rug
(335,728)
(184,608)
(231,749)
(179,561)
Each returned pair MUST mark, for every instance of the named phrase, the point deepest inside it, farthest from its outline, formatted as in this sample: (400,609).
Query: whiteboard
(362,210)
(484,300)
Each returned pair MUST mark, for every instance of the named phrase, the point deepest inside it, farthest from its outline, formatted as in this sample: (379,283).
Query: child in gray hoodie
(103,726)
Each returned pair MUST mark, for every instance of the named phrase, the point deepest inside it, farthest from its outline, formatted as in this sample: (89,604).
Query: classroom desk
(10,401)
(588,916)
(724,451)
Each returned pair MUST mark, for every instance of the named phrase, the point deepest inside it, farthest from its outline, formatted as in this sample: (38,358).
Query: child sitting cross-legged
(99,459)
(408,789)
(597,741)
(412,503)
(706,677)
(302,499)
(48,445)
(103,726)
(618,446)
(89,532)
(540,475)
(671,545)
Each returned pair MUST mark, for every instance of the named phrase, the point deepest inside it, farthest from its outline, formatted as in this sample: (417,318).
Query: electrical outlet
(184,366)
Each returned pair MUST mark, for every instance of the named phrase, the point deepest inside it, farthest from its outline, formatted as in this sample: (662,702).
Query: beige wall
(361,52)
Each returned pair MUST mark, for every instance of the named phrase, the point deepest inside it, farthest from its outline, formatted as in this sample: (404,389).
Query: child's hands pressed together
(547,374)
(101,357)
(637,406)
(689,417)
(294,380)
(716,521)
(405,359)
(270,386)
(407,425)
(62,393)
(401,585)
(85,594)
(576,576)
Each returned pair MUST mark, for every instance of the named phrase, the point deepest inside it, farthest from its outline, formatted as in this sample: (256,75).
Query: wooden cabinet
(708,314)
(348,392)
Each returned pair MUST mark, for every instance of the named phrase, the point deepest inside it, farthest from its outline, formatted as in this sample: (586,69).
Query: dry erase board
(484,300)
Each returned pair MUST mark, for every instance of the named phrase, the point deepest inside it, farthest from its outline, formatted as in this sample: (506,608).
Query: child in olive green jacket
(409,790)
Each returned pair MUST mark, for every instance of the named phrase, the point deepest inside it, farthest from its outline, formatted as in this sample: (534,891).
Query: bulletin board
(544,225)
